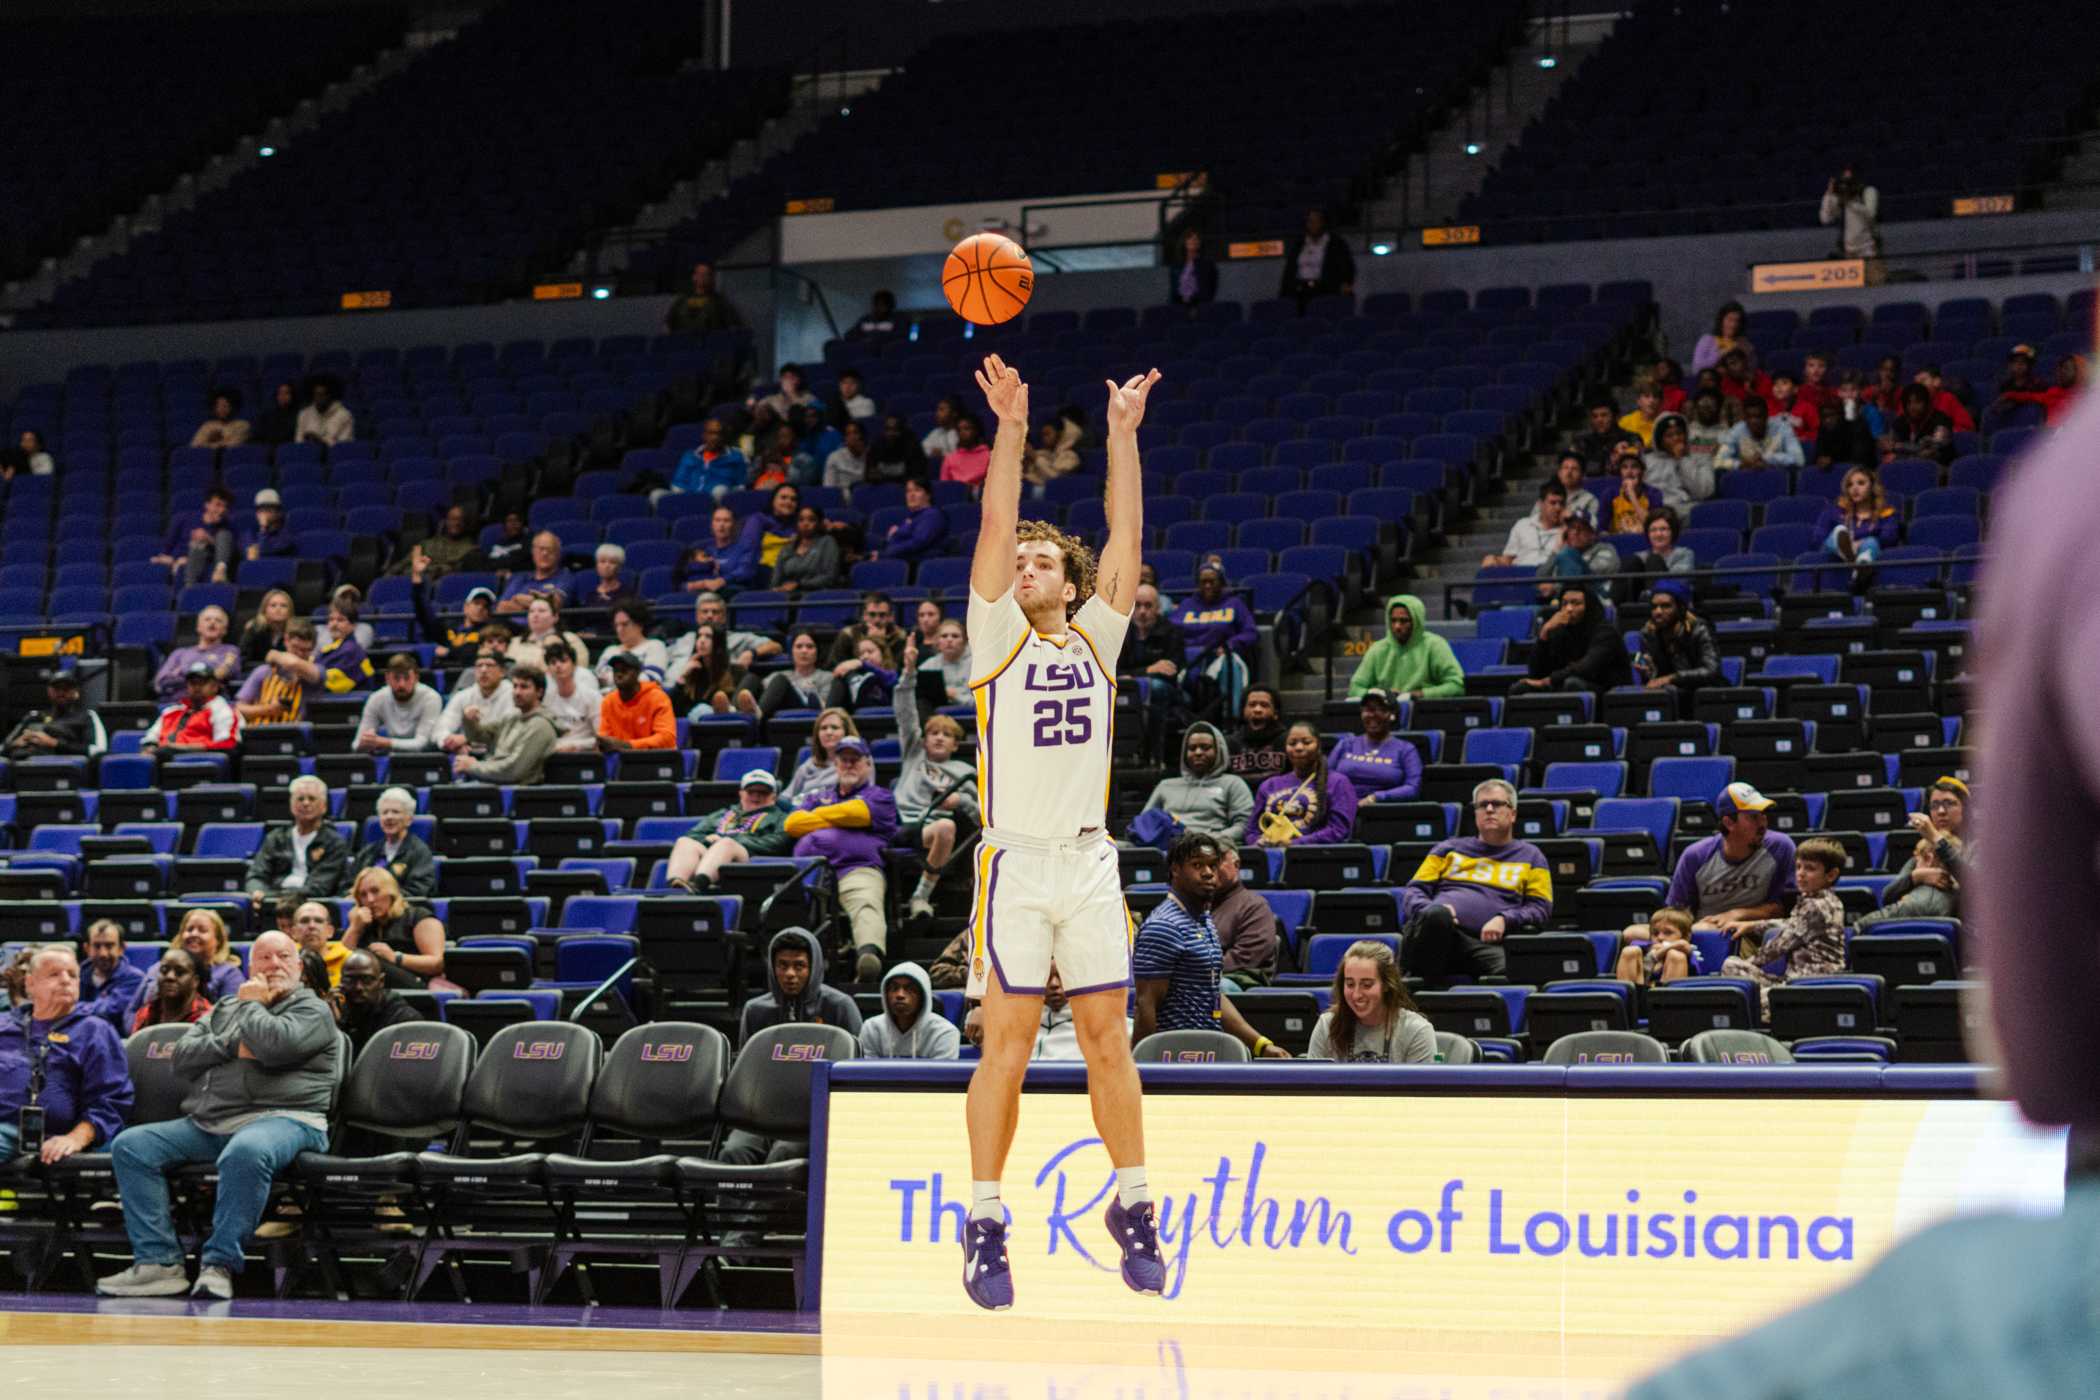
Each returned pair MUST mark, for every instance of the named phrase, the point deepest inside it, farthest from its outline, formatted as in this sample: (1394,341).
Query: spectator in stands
(1317,263)
(922,529)
(1810,941)
(1192,278)
(365,1005)
(719,565)
(36,456)
(325,420)
(454,547)
(1705,430)
(1581,556)
(970,458)
(1677,650)
(1944,824)
(765,533)
(926,621)
(1206,798)
(941,438)
(518,743)
(1740,380)
(819,438)
(849,401)
(1214,622)
(936,792)
(714,467)
(1663,554)
(399,851)
(1570,473)
(1740,877)
(744,647)
(279,421)
(1886,392)
(1056,451)
(881,320)
(210,648)
(1667,954)
(1854,204)
(15,976)
(404,936)
(402,714)
(201,721)
(792,393)
(64,728)
(847,466)
(847,820)
(108,981)
(1850,430)
(796,994)
(1647,400)
(1726,335)
(780,460)
(313,929)
(177,995)
(631,621)
(571,700)
(1258,744)
(703,308)
(1534,538)
(896,455)
(1372,1019)
(58,1056)
(751,828)
(908,1028)
(1787,406)
(1816,388)
(1759,441)
(476,611)
(801,685)
(1247,927)
(203,934)
(488,698)
(1381,766)
(1153,653)
(542,629)
(264,1068)
(1309,804)
(270,539)
(1922,890)
(342,666)
(1410,662)
(1673,469)
(547,576)
(1471,892)
(867,680)
(812,561)
(2056,399)
(709,682)
(635,713)
(201,544)
(1668,378)
(306,855)
(1918,429)
(878,620)
(1599,442)
(223,425)
(1177,962)
(276,691)
(512,545)
(950,656)
(1860,523)
(1576,648)
(606,580)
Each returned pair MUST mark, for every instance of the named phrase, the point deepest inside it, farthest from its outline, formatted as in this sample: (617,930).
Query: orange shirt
(647,722)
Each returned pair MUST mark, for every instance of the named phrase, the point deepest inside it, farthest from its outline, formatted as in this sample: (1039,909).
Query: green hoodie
(1425,663)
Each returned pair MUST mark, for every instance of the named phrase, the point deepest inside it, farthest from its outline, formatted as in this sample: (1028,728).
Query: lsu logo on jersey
(1479,870)
(1059,676)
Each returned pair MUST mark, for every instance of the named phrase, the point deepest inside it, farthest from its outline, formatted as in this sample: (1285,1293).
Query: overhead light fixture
(1472,148)
(601,293)
(266,151)
(1379,250)
(1548,61)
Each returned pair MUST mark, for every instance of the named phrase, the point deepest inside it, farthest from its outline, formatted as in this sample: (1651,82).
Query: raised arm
(1117,574)
(992,567)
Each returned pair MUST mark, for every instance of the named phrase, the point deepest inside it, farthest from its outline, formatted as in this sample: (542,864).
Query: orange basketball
(988,278)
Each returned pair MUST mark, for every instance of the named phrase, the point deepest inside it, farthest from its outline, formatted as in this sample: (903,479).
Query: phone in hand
(29,1125)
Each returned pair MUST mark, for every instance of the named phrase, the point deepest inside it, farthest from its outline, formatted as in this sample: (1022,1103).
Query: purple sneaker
(986,1277)
(1138,1238)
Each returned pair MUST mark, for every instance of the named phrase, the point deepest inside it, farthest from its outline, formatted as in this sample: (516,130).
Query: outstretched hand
(1126,403)
(1004,391)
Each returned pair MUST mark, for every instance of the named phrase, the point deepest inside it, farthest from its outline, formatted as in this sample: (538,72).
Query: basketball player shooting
(1048,625)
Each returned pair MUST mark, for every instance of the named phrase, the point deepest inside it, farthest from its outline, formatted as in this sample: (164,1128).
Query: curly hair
(1078,559)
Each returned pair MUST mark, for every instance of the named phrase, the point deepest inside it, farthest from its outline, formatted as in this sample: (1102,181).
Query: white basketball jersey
(1045,710)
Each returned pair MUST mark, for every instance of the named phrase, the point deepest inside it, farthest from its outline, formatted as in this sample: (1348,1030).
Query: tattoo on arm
(1113,580)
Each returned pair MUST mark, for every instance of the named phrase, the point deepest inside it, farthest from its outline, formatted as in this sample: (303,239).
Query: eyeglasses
(1491,804)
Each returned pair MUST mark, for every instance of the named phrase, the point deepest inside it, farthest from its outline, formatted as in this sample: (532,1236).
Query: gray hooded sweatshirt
(931,1037)
(920,781)
(824,1005)
(1215,802)
(292,1073)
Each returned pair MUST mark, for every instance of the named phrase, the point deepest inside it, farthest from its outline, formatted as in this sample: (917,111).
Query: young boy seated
(1665,957)
(1912,898)
(1811,940)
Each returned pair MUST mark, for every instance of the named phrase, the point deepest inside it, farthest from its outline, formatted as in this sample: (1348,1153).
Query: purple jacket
(1480,882)
(1886,528)
(846,848)
(171,682)
(1206,625)
(1280,792)
(916,534)
(110,1001)
(1391,771)
(85,1073)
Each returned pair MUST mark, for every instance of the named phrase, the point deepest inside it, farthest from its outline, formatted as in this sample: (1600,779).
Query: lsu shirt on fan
(1512,882)
(1045,707)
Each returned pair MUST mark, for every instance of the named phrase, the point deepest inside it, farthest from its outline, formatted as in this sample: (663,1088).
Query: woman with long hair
(832,725)
(204,933)
(1861,522)
(265,631)
(1373,1020)
(406,938)
(709,680)
(1306,805)
(1726,335)
(801,686)
(176,994)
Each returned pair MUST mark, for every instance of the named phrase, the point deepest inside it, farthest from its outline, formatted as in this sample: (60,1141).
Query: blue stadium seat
(1690,779)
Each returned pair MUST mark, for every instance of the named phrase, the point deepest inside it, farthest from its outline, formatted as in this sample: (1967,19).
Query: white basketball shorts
(1039,902)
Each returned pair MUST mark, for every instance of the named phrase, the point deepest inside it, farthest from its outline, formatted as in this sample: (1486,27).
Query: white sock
(984,1201)
(1131,1189)
(927,882)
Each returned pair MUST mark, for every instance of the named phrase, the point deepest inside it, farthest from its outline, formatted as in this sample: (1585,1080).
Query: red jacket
(216,726)
(2055,401)
(1957,412)
(1800,413)
(1817,396)
(1759,383)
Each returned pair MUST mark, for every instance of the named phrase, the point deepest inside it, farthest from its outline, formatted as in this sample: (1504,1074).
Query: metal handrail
(1944,562)
(604,987)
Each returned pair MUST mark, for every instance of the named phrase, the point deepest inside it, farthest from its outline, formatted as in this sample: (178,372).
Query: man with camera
(1858,205)
(64,1084)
